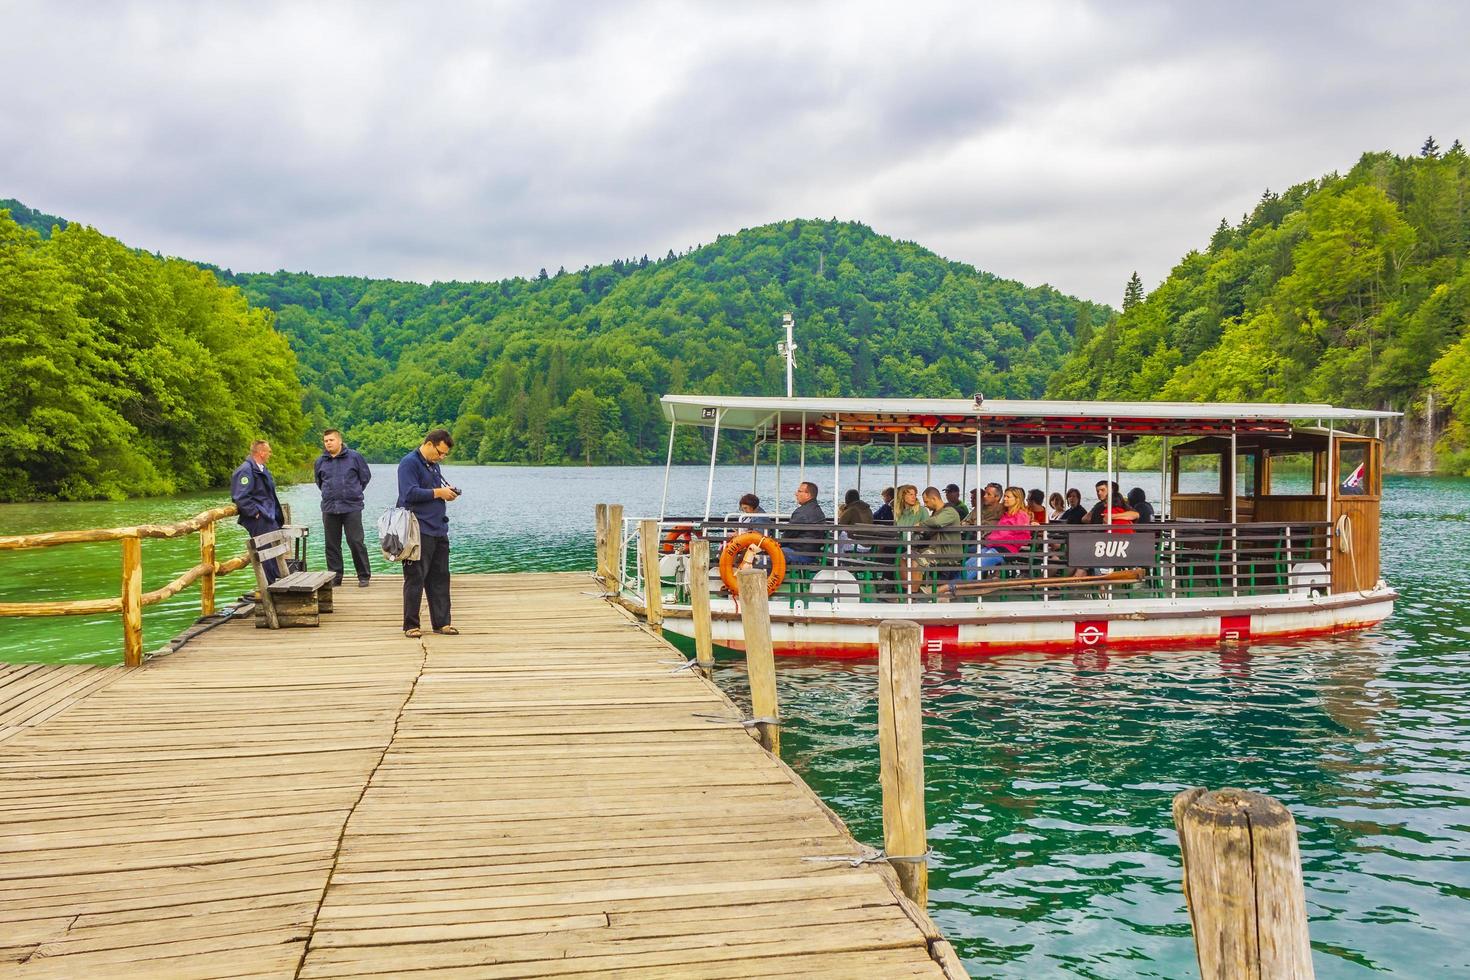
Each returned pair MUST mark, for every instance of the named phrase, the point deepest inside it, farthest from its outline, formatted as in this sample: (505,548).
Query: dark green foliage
(569,368)
(1351,289)
(38,222)
(128,374)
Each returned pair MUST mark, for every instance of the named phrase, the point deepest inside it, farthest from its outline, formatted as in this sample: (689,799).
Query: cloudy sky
(1068,143)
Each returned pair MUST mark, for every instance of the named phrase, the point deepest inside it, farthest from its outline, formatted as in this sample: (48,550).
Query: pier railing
(1050,562)
(132,600)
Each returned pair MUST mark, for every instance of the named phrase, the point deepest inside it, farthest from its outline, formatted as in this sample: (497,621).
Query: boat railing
(825,563)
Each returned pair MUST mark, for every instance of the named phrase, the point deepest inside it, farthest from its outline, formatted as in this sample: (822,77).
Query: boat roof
(956,420)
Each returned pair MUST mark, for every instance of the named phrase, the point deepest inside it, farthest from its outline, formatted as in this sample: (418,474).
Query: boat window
(1245,475)
(1198,473)
(1290,475)
(1354,470)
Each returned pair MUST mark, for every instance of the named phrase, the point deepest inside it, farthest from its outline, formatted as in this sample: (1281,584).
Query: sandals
(448,631)
(413,634)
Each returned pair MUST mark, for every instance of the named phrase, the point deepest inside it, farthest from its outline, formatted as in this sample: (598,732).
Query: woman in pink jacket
(1009,537)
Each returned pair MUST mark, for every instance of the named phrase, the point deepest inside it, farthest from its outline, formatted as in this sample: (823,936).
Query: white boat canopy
(1026,421)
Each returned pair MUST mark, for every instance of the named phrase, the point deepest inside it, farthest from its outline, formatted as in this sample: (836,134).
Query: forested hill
(569,367)
(38,222)
(1353,289)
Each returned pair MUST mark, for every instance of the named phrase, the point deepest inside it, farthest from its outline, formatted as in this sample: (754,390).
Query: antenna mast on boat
(788,349)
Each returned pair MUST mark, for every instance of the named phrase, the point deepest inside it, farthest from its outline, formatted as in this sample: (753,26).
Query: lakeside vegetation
(1353,289)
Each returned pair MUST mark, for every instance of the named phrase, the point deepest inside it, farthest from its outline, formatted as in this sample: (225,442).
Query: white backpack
(398,534)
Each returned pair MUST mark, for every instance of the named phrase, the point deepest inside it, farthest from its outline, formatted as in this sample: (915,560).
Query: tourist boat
(1267,527)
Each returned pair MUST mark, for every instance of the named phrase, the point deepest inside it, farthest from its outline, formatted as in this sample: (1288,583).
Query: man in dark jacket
(254,491)
(342,475)
(423,490)
(805,546)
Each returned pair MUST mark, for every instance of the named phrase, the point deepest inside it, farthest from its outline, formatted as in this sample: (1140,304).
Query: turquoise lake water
(1049,779)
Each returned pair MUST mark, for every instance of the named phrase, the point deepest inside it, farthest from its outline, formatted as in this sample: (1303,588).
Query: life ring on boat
(740,552)
(676,539)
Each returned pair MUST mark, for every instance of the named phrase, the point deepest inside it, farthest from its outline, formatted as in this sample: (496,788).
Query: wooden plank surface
(534,797)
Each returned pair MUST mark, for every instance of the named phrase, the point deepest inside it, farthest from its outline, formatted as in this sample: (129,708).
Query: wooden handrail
(21,542)
(132,599)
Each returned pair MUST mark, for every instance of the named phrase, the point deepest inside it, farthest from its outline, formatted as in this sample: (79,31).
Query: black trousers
(429,574)
(332,527)
(255,527)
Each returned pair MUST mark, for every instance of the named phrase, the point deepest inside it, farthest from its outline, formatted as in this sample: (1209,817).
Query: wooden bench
(294,598)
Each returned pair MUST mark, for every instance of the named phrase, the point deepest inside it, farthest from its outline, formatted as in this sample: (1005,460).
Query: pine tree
(1430,148)
(1222,236)
(1457,149)
(1133,294)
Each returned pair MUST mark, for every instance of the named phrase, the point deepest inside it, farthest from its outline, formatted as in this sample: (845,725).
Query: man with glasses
(423,490)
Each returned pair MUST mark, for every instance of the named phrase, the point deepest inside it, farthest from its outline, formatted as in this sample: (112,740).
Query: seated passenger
(1105,491)
(1138,503)
(1058,505)
(1036,504)
(884,514)
(750,511)
(854,510)
(952,497)
(1007,539)
(803,546)
(1075,512)
(945,549)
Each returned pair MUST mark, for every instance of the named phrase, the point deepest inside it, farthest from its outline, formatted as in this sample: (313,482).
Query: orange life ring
(676,539)
(739,552)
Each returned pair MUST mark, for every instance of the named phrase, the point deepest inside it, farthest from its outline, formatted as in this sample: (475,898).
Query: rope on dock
(873,855)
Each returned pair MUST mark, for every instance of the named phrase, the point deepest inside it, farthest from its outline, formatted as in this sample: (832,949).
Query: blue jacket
(342,479)
(417,480)
(254,491)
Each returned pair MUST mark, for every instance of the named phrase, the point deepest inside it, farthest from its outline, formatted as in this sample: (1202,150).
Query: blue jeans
(988,558)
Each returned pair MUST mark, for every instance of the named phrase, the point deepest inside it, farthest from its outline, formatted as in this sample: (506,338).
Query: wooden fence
(131,599)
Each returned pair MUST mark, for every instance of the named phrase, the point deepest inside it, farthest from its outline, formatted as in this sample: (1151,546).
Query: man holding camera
(423,490)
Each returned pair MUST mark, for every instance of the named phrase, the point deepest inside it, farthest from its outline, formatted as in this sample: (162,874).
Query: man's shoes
(363,580)
(336,581)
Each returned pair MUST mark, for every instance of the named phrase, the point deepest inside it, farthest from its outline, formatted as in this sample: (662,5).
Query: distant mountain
(1353,289)
(569,367)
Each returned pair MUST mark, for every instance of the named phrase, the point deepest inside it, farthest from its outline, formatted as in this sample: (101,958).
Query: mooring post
(1243,885)
(599,515)
(653,597)
(760,659)
(901,756)
(132,601)
(615,558)
(704,647)
(206,558)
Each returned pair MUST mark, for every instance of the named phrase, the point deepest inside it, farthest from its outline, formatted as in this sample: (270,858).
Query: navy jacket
(417,480)
(341,479)
(254,491)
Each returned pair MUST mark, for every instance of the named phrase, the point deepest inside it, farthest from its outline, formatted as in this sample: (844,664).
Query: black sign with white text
(1111,549)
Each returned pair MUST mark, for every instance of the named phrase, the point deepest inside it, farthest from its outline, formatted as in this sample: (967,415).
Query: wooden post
(653,599)
(599,513)
(206,558)
(616,561)
(1243,885)
(132,601)
(901,755)
(760,659)
(704,648)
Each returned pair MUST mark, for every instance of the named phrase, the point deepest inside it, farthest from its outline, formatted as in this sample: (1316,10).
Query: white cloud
(1069,143)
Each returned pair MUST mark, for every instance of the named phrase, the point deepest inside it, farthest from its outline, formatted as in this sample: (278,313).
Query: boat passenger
(946,549)
(884,514)
(1139,503)
(750,511)
(1105,489)
(907,511)
(952,496)
(1007,539)
(1058,505)
(854,510)
(991,507)
(1036,504)
(1075,512)
(804,547)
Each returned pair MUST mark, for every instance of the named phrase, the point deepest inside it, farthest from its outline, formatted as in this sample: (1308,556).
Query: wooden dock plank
(538,796)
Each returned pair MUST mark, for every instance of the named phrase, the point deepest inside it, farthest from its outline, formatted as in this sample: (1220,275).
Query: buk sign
(1111,549)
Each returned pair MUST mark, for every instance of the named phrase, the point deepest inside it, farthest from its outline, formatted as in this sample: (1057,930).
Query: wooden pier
(541,795)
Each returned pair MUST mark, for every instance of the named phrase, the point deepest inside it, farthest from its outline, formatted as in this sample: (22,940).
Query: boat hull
(973,631)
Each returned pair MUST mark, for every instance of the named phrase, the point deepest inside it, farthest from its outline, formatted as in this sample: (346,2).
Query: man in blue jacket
(342,475)
(423,490)
(254,491)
